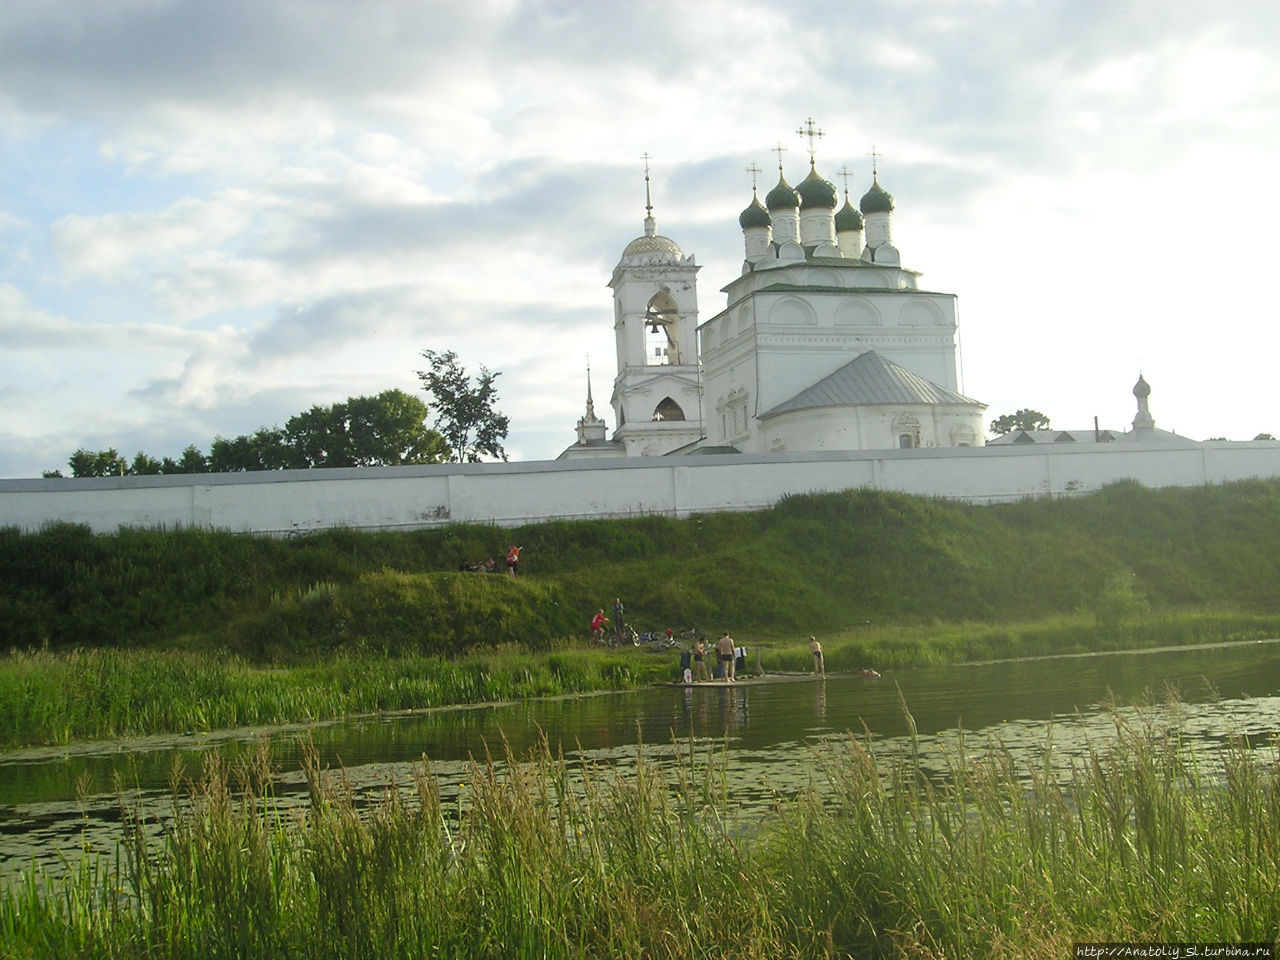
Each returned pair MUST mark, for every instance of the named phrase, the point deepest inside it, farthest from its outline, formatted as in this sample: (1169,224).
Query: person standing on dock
(699,660)
(819,664)
(725,651)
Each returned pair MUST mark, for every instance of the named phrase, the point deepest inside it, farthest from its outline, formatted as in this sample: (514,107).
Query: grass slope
(812,563)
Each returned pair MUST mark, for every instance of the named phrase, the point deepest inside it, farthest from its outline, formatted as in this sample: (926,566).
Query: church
(826,341)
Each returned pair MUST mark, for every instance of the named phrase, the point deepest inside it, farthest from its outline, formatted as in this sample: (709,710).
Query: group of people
(726,654)
(489,566)
(599,621)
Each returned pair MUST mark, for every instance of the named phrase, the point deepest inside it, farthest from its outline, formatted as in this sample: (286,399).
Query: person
(819,665)
(868,674)
(513,560)
(699,660)
(490,566)
(597,624)
(617,614)
(725,652)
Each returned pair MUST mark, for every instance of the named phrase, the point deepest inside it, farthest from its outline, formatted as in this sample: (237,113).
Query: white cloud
(243,208)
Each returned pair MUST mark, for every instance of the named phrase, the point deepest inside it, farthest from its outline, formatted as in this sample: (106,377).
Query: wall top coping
(533,467)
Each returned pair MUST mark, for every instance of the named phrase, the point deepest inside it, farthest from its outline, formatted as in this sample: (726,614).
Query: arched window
(668,409)
(907,430)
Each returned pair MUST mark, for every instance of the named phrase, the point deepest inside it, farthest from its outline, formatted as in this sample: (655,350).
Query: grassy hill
(814,563)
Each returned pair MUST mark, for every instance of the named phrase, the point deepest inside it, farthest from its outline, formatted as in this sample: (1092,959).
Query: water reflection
(774,733)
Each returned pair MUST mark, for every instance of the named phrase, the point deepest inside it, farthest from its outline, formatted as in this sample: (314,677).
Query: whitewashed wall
(510,494)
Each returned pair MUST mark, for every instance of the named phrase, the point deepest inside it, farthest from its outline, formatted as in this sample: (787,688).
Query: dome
(847,218)
(782,197)
(754,216)
(651,244)
(876,200)
(816,192)
(1141,389)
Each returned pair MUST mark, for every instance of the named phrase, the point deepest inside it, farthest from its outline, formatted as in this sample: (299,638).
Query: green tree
(144,466)
(465,412)
(97,463)
(192,461)
(1022,420)
(384,430)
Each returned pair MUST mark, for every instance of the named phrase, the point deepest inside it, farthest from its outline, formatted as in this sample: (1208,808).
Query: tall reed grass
(1139,840)
(57,698)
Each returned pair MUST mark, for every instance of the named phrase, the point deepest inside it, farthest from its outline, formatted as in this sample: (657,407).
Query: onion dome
(782,197)
(877,199)
(816,192)
(1141,389)
(755,215)
(847,218)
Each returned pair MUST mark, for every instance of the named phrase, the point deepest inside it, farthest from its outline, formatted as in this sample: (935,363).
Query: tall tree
(465,412)
(384,430)
(1022,420)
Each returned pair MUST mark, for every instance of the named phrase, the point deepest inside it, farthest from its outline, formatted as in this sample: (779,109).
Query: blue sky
(215,215)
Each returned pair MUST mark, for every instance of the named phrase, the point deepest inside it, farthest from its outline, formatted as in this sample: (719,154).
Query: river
(57,803)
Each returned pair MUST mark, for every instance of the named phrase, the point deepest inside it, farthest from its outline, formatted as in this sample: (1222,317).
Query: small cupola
(757,230)
(849,229)
(877,199)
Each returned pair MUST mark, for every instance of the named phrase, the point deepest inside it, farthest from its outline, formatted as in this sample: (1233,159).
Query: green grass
(162,631)
(1142,841)
(812,563)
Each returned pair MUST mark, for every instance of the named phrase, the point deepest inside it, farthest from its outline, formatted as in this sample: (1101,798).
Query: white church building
(826,342)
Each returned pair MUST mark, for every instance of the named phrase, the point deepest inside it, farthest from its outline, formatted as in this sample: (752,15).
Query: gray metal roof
(869,379)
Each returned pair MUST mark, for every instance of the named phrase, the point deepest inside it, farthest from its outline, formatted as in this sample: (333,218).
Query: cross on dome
(810,130)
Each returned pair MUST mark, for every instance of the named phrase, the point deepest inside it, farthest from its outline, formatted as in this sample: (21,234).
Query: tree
(465,412)
(99,463)
(1022,420)
(386,430)
(389,429)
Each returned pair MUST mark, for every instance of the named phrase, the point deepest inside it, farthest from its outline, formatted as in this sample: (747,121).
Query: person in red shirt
(597,625)
(513,560)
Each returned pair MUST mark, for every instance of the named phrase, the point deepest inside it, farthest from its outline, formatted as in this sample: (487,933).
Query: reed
(1136,839)
(57,698)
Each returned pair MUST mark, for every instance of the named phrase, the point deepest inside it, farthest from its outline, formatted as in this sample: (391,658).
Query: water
(55,803)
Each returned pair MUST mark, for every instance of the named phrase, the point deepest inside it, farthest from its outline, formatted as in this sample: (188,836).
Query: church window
(907,430)
(668,409)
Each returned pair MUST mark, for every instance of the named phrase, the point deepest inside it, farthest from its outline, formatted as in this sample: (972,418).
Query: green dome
(817,192)
(782,197)
(847,218)
(755,215)
(876,200)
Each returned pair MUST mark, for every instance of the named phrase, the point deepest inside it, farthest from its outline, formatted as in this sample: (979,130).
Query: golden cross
(810,130)
(754,169)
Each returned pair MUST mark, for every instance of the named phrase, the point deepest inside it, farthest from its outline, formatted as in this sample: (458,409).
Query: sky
(215,215)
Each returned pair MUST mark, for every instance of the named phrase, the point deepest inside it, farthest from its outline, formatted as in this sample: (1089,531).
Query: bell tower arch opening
(661,316)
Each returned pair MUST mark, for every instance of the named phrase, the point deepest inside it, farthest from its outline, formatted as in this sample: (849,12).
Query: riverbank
(999,858)
(56,698)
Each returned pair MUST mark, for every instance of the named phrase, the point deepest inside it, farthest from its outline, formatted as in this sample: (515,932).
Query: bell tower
(655,322)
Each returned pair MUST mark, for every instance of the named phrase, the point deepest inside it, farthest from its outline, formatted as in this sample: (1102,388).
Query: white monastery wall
(510,494)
